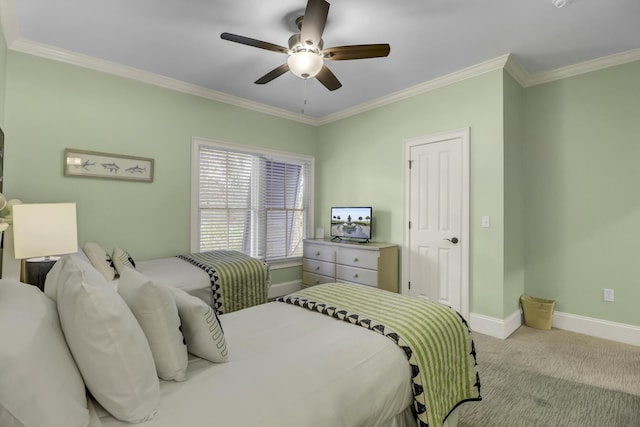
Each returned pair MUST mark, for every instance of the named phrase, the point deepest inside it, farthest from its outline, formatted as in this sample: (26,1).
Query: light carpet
(555,378)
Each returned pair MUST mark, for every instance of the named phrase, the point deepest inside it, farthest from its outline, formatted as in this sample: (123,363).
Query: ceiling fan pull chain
(306,91)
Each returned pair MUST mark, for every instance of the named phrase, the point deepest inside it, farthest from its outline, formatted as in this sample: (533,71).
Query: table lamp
(43,230)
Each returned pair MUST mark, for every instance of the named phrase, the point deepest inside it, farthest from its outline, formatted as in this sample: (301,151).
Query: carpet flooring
(554,378)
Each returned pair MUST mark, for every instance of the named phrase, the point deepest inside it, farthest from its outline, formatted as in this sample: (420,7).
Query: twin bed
(245,280)
(331,355)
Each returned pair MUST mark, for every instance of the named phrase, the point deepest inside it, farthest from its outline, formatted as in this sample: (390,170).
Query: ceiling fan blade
(315,18)
(360,51)
(276,72)
(328,79)
(253,42)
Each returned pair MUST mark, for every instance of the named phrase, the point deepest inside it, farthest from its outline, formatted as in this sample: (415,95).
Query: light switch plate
(486,221)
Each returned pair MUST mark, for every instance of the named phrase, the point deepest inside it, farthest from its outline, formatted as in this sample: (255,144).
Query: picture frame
(93,164)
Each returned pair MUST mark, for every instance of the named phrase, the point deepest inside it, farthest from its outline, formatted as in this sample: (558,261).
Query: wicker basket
(538,312)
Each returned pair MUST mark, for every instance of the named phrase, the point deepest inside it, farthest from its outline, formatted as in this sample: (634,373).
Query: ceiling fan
(306,52)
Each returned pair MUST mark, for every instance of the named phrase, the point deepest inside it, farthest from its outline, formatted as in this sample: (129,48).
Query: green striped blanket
(237,280)
(436,340)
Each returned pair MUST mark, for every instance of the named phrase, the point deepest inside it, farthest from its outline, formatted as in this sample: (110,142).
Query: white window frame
(248,149)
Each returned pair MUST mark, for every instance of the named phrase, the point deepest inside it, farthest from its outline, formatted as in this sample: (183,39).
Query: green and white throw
(237,280)
(435,338)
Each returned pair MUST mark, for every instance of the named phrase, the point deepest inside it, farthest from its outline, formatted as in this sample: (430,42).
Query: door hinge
(409,285)
(410,163)
(409,225)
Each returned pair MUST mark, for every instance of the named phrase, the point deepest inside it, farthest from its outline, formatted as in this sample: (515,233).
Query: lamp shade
(305,64)
(44,229)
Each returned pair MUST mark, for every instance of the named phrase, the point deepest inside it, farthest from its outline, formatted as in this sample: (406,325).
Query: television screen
(351,222)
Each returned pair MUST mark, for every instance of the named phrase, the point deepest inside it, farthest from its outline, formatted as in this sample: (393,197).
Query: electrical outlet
(608,295)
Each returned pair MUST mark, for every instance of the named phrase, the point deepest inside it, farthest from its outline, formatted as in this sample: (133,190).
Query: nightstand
(36,270)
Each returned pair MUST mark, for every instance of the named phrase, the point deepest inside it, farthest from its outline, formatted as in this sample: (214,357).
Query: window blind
(255,203)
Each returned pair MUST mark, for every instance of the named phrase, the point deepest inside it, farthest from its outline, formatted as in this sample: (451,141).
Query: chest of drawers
(370,264)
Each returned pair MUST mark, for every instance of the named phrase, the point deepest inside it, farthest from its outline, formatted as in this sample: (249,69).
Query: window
(251,200)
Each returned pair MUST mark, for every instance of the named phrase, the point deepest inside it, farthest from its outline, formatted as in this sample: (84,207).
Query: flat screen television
(351,223)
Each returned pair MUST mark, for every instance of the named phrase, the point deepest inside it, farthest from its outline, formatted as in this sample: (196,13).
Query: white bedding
(289,367)
(178,273)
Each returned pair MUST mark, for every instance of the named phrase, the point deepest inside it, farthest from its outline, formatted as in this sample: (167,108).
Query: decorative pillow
(100,259)
(107,342)
(40,382)
(154,307)
(53,277)
(201,327)
(121,260)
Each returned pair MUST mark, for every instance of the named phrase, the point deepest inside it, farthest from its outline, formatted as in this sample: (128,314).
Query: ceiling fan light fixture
(305,64)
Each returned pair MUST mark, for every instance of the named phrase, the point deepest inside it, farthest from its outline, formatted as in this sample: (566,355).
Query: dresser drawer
(319,252)
(357,275)
(358,258)
(318,267)
(312,279)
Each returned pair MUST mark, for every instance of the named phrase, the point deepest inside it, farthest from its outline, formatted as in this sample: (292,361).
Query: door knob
(453,240)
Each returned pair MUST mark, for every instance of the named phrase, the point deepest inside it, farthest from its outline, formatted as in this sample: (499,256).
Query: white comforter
(178,273)
(289,367)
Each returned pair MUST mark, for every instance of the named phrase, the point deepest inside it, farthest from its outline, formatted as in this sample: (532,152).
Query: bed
(225,279)
(300,361)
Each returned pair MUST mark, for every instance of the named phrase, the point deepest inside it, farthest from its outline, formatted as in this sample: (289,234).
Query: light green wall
(582,205)
(55,105)
(360,162)
(3,72)
(514,215)
(553,165)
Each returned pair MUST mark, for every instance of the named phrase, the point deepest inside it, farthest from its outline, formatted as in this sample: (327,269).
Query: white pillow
(40,384)
(107,343)
(121,260)
(154,307)
(100,259)
(201,327)
(54,275)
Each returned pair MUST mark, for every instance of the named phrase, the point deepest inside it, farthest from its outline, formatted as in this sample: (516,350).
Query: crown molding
(516,71)
(507,62)
(73,58)
(8,22)
(582,67)
(439,82)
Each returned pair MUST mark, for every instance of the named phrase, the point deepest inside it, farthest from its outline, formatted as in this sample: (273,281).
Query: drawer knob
(317,268)
(355,259)
(317,253)
(355,276)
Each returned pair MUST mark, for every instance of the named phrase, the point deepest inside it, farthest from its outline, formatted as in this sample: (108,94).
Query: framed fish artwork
(92,164)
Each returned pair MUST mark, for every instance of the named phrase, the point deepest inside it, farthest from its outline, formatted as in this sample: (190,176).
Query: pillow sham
(100,259)
(155,309)
(41,384)
(121,260)
(107,343)
(201,327)
(54,275)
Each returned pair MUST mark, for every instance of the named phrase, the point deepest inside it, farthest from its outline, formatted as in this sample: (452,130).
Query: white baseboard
(494,327)
(614,331)
(279,289)
(502,328)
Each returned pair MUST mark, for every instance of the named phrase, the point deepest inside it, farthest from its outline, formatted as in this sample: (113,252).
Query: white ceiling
(429,39)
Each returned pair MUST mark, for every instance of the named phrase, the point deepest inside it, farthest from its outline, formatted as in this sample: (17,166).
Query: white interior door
(437,235)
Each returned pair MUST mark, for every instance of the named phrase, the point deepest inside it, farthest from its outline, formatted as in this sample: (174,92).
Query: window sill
(285,263)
